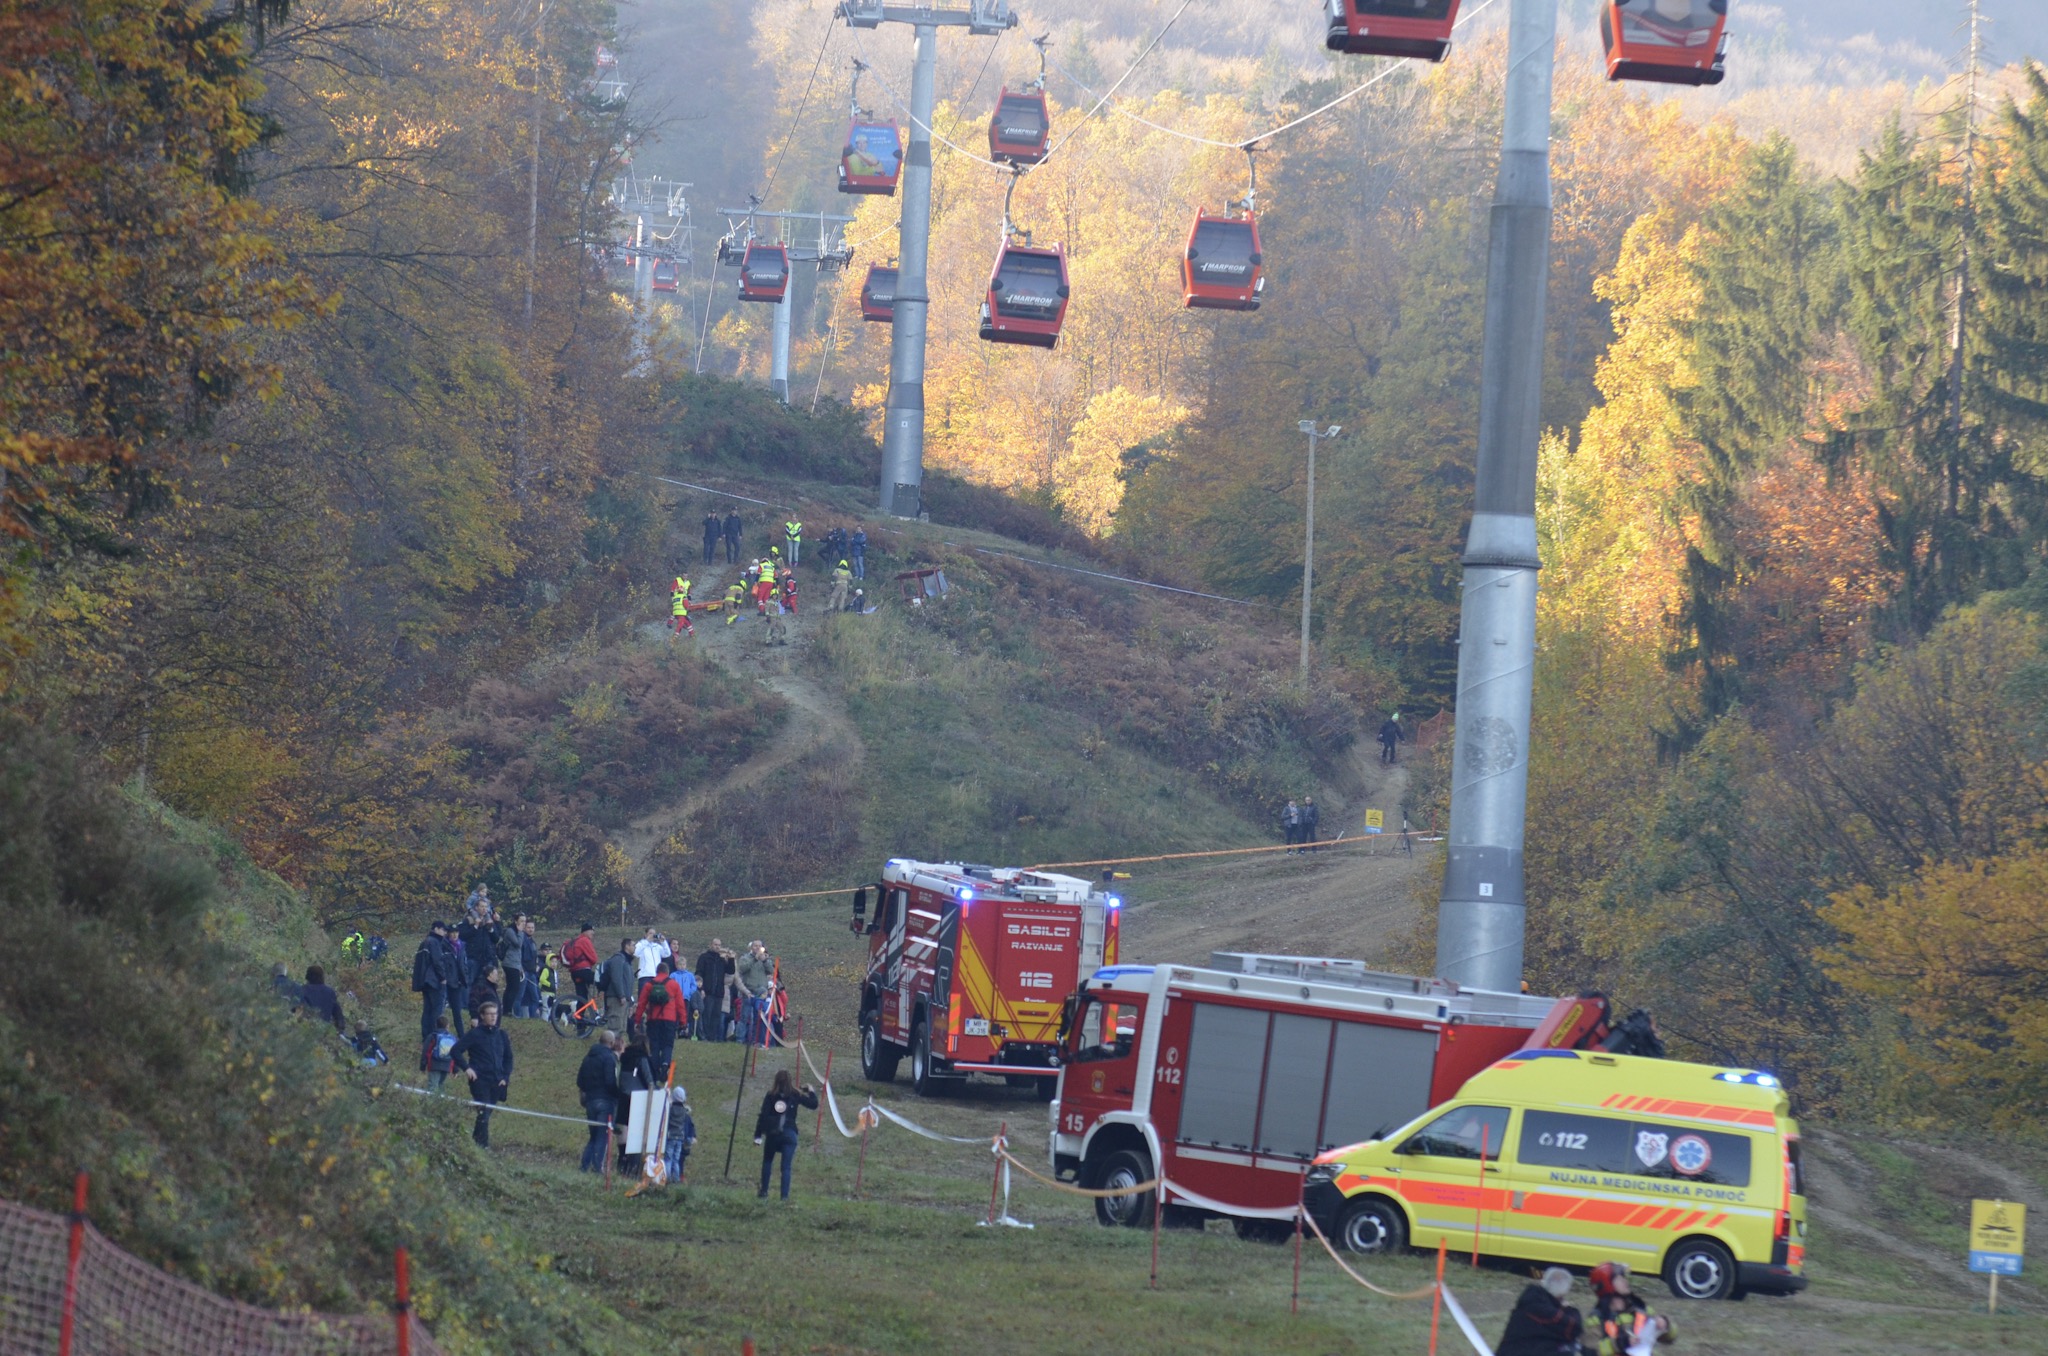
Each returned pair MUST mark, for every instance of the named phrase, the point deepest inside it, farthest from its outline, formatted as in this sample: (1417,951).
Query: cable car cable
(968,97)
(804,103)
(1129,71)
(1346,97)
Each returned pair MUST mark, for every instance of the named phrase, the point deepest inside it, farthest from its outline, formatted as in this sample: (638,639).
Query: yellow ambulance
(1573,1158)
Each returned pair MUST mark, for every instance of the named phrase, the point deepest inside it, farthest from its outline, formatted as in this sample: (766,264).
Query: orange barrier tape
(1136,1188)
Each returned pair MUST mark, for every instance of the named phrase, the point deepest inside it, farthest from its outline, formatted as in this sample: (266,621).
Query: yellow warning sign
(1998,1236)
(1375,821)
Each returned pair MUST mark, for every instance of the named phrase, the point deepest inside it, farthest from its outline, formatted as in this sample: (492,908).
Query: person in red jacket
(661,1009)
(580,956)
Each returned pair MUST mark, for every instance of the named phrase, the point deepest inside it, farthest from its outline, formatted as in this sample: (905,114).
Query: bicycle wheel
(562,1018)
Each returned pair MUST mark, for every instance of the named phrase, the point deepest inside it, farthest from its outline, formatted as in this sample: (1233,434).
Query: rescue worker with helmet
(1620,1318)
(764,587)
(842,580)
(789,592)
(735,594)
(679,609)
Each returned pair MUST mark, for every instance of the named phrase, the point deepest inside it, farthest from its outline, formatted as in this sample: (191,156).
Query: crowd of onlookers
(638,1001)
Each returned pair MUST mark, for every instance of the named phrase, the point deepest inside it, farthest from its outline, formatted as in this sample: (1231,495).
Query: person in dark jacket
(597,1087)
(283,985)
(732,535)
(1310,817)
(433,971)
(775,1127)
(485,1058)
(1542,1323)
(317,1000)
(857,552)
(617,977)
(485,990)
(636,1074)
(1390,739)
(528,1002)
(714,965)
(714,528)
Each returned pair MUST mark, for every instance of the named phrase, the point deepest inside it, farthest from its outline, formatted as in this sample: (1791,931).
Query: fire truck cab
(1228,1080)
(968,967)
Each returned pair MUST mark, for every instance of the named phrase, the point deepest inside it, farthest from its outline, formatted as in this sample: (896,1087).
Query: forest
(323,435)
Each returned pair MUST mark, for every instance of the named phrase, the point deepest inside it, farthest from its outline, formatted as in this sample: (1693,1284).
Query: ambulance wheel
(1123,1169)
(1372,1227)
(1700,1269)
(878,1058)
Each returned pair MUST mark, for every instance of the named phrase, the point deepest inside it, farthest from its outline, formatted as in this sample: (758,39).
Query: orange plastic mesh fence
(125,1307)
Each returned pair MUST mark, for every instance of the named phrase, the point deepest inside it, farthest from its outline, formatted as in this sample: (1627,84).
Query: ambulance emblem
(1650,1147)
(1690,1155)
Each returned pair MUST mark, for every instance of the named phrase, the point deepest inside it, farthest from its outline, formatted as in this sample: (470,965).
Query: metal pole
(778,377)
(903,417)
(1481,913)
(1308,552)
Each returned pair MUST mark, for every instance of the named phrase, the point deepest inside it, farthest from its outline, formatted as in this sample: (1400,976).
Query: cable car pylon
(902,478)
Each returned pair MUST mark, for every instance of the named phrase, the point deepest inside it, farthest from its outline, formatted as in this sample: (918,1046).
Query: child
(682,1134)
(371,1053)
(437,1055)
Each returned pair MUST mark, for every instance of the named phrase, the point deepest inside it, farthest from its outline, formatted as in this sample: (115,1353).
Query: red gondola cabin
(878,295)
(1020,128)
(1395,28)
(1222,269)
(872,158)
(664,275)
(1027,297)
(764,273)
(1671,42)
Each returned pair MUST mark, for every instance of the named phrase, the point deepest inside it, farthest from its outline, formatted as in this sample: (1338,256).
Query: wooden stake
(995,1185)
(1158,1212)
(67,1324)
(1994,1292)
(860,1170)
(1436,1302)
(404,1306)
(1300,1209)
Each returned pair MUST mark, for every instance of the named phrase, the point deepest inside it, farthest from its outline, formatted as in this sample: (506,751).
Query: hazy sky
(2014,28)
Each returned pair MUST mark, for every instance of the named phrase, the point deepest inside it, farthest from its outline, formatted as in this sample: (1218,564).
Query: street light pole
(1308,544)
(1482,911)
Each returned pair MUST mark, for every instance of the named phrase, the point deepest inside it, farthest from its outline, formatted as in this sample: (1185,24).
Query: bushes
(228,1140)
(582,745)
(707,421)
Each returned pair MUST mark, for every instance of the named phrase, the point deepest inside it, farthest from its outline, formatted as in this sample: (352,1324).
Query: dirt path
(816,721)
(1349,901)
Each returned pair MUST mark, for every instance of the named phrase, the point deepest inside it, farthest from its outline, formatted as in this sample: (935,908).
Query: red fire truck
(968,967)
(1231,1078)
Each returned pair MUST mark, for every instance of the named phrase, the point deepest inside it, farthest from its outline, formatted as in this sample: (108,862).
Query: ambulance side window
(1586,1143)
(1688,1155)
(1464,1132)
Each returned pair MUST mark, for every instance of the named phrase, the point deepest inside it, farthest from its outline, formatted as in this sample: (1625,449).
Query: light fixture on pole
(1308,545)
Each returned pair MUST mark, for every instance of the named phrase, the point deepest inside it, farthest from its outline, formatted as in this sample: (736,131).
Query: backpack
(659,996)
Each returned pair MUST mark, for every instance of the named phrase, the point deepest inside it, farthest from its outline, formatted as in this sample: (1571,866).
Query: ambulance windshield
(1105,1030)
(1464,1132)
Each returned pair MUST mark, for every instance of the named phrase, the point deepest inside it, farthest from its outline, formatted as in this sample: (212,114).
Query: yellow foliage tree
(1962,951)
(1087,478)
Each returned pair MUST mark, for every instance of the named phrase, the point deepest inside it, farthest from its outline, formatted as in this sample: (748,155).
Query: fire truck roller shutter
(1226,1046)
(1379,1078)
(1292,1107)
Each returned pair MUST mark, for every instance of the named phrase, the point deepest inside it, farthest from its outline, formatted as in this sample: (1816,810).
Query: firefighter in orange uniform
(679,609)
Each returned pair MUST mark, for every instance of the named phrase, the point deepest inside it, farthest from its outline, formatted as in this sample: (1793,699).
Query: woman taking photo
(775,1127)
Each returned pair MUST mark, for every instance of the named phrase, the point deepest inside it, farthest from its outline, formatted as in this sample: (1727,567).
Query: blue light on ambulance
(1749,1076)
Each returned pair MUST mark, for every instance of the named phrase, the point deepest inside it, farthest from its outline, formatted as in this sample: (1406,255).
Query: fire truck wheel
(922,1076)
(1048,1088)
(1373,1227)
(1263,1230)
(1126,1168)
(878,1058)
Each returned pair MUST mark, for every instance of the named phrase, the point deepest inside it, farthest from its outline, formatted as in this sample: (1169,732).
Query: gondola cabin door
(1027,297)
(1669,42)
(764,273)
(878,295)
(1222,269)
(1394,28)
(872,159)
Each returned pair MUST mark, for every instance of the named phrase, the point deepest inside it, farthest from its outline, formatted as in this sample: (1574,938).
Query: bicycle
(567,1016)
